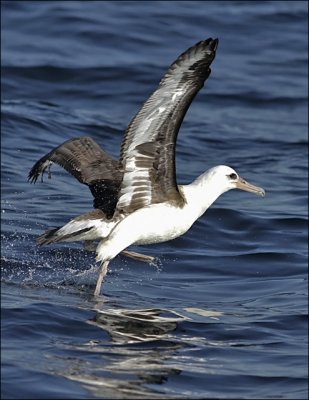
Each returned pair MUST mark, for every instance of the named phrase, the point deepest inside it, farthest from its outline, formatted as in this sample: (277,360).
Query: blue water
(223,313)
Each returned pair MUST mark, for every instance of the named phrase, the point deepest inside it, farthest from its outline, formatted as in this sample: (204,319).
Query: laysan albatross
(137,199)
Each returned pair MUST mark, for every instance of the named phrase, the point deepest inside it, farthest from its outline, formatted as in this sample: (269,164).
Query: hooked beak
(244,185)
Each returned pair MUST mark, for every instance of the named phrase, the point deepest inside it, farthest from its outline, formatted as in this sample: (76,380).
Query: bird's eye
(233,176)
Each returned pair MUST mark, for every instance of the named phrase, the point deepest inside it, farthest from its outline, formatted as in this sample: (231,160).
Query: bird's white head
(220,179)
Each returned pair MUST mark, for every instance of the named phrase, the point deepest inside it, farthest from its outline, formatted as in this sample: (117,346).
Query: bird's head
(227,178)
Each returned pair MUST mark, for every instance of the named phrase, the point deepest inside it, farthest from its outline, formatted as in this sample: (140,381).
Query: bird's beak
(244,185)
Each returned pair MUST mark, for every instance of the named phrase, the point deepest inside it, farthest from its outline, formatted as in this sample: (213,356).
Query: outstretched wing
(84,159)
(148,149)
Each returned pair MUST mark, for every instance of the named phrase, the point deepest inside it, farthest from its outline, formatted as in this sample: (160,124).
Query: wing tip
(38,170)
(33,175)
(209,44)
(205,48)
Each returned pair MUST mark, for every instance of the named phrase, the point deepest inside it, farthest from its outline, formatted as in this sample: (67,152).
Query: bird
(137,200)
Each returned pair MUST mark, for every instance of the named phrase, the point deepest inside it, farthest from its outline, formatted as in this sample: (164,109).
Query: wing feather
(84,159)
(148,149)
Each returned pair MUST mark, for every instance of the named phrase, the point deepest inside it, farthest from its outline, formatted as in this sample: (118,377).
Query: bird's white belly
(154,224)
(158,224)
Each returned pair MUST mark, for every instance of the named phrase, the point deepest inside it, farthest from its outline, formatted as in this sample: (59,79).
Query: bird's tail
(90,226)
(54,235)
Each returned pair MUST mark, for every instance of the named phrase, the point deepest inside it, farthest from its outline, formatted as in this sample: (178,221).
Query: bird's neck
(201,193)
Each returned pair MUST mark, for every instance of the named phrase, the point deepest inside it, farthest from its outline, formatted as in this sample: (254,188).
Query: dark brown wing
(148,149)
(84,159)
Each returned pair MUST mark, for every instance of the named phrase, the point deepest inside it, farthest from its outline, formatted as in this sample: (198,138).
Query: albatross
(137,200)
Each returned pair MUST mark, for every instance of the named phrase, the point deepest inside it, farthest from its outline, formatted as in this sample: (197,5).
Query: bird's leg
(102,273)
(137,256)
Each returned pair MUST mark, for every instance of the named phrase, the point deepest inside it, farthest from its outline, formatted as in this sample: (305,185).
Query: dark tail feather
(50,236)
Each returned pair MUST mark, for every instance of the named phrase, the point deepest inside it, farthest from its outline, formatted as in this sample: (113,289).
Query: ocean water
(223,311)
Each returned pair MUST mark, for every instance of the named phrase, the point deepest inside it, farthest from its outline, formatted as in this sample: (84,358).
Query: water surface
(223,312)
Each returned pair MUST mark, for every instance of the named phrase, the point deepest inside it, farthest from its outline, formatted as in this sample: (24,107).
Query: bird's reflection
(137,356)
(133,326)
